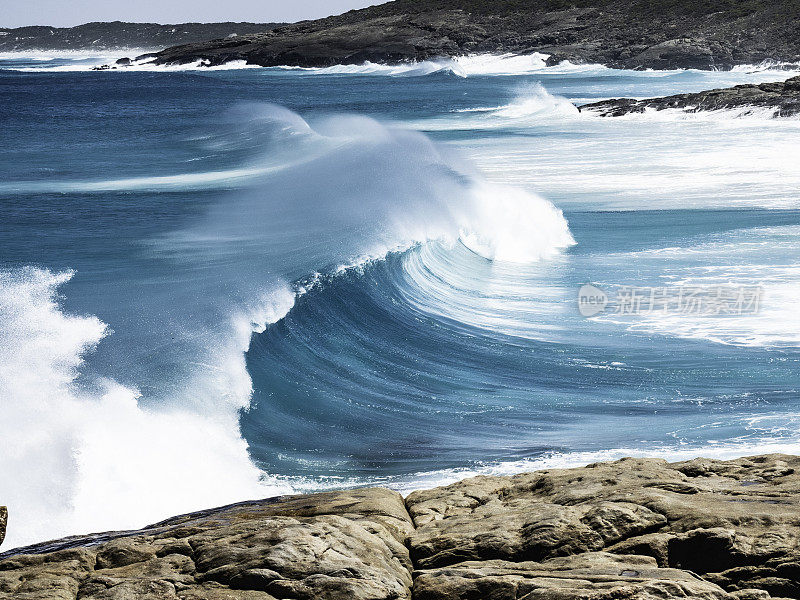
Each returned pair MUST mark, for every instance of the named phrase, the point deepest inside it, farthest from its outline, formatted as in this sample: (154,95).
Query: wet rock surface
(780,99)
(634,528)
(618,33)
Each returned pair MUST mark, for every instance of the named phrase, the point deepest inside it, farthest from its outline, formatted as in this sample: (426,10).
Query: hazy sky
(65,13)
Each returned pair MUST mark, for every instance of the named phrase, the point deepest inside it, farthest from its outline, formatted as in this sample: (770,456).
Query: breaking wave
(94,448)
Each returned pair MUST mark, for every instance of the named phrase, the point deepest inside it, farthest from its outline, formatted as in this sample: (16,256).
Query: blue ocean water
(224,284)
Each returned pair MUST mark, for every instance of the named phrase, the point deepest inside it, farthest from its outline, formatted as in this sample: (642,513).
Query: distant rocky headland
(633,34)
(781,99)
(634,529)
(118,35)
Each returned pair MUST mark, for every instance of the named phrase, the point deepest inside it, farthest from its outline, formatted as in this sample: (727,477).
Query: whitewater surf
(321,278)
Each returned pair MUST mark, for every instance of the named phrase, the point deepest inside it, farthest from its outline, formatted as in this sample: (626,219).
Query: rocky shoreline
(631,529)
(782,99)
(628,34)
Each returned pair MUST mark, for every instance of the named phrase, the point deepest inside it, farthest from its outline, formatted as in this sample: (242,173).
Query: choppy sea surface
(223,284)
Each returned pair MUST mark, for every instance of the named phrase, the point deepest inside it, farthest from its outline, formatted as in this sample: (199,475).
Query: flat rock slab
(596,575)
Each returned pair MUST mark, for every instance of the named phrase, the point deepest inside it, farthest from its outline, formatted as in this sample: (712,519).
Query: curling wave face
(411,367)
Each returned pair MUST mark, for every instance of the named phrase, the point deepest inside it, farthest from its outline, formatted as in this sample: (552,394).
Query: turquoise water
(220,285)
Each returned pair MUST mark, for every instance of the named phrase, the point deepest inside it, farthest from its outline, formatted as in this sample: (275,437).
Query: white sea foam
(463,66)
(472,65)
(423,480)
(512,225)
(510,64)
(768,66)
(531,105)
(666,160)
(94,63)
(566,460)
(755,258)
(83,456)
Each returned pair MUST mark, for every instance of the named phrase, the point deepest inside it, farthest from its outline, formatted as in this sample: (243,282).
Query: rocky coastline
(630,529)
(118,35)
(635,34)
(781,99)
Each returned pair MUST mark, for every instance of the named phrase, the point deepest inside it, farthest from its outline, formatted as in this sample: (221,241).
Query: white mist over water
(86,453)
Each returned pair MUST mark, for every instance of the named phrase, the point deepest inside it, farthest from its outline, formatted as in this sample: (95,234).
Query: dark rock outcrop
(634,529)
(118,35)
(618,33)
(3,523)
(782,99)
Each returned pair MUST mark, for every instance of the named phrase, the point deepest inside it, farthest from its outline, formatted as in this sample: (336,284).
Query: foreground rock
(324,546)
(618,33)
(780,99)
(592,575)
(635,529)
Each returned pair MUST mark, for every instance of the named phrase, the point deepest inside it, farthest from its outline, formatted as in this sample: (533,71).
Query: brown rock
(322,546)
(590,576)
(717,519)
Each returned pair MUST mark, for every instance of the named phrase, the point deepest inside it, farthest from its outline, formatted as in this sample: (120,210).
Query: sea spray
(82,456)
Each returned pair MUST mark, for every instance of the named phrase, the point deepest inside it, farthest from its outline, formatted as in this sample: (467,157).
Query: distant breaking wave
(461,66)
(464,66)
(487,64)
